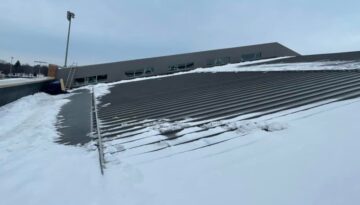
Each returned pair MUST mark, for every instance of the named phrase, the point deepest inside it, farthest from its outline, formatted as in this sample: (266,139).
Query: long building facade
(111,72)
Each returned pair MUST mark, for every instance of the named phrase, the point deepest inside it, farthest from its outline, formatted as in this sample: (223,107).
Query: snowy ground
(15,81)
(310,157)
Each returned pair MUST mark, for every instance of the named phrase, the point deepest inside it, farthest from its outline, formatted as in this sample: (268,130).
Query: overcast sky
(114,30)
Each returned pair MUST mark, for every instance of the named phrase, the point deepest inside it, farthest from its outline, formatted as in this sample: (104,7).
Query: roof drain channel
(94,116)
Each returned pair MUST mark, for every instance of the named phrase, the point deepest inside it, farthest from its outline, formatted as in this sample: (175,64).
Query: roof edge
(195,52)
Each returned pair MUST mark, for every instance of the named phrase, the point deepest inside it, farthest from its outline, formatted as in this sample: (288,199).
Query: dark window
(190,65)
(129,74)
(139,72)
(79,81)
(149,71)
(248,57)
(181,66)
(102,78)
(251,56)
(226,60)
(222,61)
(258,55)
(219,61)
(210,62)
(91,79)
(172,68)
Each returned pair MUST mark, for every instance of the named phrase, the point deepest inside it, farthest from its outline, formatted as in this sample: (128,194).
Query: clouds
(116,30)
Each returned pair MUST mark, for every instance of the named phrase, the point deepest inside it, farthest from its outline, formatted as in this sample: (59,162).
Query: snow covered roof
(196,110)
(279,137)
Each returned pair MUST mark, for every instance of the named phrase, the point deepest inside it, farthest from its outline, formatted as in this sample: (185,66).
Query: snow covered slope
(248,66)
(308,157)
(304,155)
(314,161)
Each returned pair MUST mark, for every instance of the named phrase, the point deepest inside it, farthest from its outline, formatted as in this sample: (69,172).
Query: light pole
(11,65)
(69,16)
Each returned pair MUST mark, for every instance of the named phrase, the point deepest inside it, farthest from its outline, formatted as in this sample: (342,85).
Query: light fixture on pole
(69,16)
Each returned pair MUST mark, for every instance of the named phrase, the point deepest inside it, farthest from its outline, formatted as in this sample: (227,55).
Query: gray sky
(114,30)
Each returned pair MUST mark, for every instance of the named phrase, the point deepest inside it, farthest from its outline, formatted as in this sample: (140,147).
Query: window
(139,72)
(102,78)
(91,80)
(129,74)
(219,61)
(222,61)
(226,60)
(149,70)
(251,56)
(190,65)
(79,81)
(210,62)
(181,66)
(172,68)
(258,55)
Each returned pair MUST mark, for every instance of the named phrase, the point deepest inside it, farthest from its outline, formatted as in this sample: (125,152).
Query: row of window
(218,61)
(90,80)
(226,60)
(173,68)
(139,72)
(182,66)
(251,56)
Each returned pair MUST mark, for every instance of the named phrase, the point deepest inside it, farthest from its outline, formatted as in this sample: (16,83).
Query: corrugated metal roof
(190,103)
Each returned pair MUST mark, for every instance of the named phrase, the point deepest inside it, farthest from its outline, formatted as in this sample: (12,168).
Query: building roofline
(190,53)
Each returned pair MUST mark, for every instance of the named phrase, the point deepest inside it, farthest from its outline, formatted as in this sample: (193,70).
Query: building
(111,72)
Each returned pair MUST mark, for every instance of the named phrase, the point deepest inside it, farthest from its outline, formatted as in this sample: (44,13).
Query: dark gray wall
(12,93)
(116,71)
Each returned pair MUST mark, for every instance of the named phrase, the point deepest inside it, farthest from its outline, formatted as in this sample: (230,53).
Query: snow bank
(313,161)
(324,65)
(164,126)
(250,126)
(40,107)
(100,90)
(34,170)
(274,126)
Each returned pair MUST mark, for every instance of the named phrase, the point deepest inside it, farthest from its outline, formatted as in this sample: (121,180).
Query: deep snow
(307,157)
(320,65)
(310,158)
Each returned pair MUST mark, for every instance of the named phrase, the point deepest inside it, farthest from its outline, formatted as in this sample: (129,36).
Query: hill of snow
(309,157)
